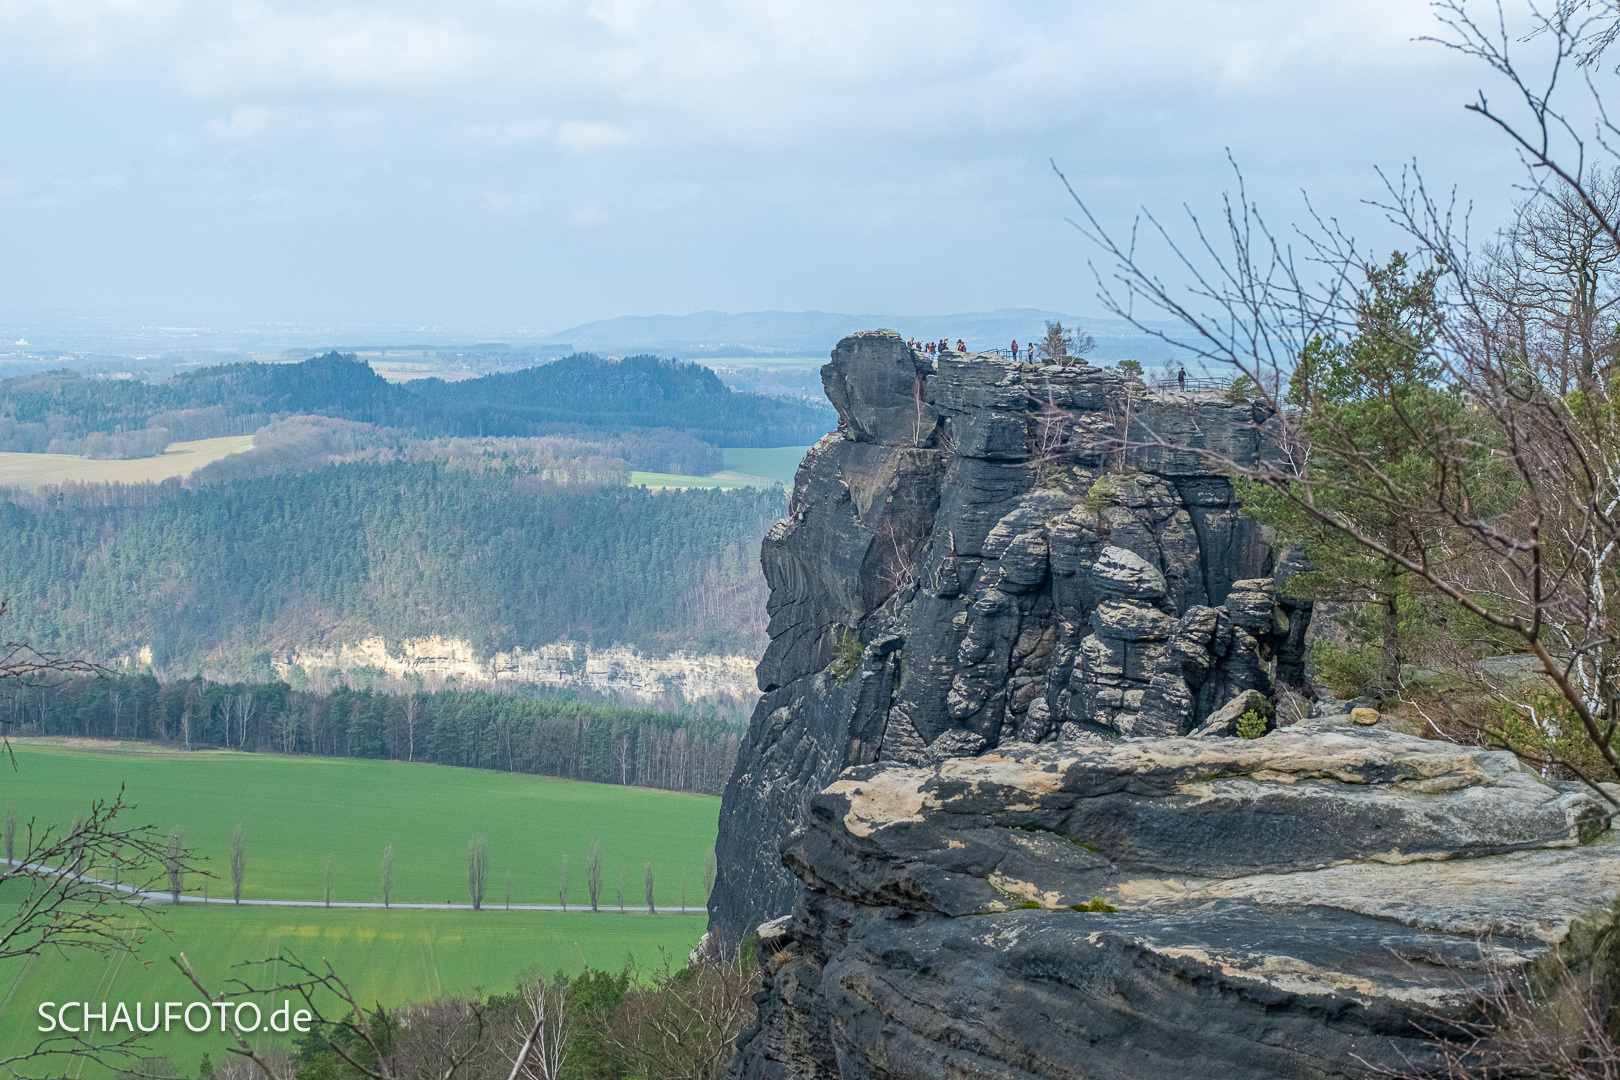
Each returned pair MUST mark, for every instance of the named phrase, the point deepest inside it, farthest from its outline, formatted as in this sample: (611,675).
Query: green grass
(774,463)
(299,810)
(387,956)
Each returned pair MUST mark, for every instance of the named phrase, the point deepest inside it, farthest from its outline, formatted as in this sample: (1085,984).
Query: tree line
(230,574)
(544,736)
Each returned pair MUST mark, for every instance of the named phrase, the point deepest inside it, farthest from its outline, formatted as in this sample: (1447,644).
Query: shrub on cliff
(846,656)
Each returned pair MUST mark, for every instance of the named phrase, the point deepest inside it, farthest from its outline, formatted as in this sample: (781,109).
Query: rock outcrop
(991,819)
(1315,903)
(994,552)
(617,673)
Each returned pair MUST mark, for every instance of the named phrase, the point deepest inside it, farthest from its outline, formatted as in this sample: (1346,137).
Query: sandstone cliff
(617,673)
(989,801)
(1007,576)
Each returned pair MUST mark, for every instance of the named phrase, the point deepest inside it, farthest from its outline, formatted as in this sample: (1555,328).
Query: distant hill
(500,557)
(814,333)
(50,410)
(639,391)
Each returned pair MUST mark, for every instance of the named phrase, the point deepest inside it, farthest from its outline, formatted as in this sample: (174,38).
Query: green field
(180,459)
(774,463)
(745,467)
(391,957)
(300,810)
(676,480)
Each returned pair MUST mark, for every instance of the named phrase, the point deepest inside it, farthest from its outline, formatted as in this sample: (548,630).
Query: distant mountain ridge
(814,333)
(580,392)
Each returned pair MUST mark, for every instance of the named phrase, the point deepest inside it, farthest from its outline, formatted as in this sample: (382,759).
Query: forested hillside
(497,555)
(56,410)
(547,736)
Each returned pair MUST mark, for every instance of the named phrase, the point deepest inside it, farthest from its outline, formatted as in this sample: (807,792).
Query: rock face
(990,802)
(1289,906)
(1007,573)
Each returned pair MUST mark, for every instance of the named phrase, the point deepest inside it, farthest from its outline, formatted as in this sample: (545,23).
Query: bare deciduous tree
(63,909)
(11,833)
(434,1040)
(1552,279)
(238,861)
(1055,346)
(593,871)
(624,883)
(477,870)
(681,1025)
(648,876)
(545,1042)
(328,875)
(412,708)
(565,875)
(711,870)
(388,874)
(174,862)
(1542,571)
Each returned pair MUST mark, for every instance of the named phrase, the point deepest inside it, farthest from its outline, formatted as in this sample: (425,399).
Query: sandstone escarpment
(617,673)
(993,568)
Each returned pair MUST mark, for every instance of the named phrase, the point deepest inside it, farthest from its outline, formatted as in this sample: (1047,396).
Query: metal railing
(1164,385)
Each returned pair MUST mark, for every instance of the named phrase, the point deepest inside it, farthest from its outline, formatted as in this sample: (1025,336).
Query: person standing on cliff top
(1015,348)
(1181,377)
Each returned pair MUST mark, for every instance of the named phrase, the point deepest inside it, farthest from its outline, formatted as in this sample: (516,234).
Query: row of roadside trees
(174,864)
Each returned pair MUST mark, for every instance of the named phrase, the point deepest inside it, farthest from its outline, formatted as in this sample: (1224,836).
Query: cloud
(746,148)
(299,54)
(585,136)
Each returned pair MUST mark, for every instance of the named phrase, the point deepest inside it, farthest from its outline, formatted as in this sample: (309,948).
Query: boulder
(1124,620)
(875,382)
(955,743)
(1118,572)
(1251,603)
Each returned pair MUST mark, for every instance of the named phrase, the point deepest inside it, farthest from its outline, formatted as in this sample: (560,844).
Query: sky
(503,166)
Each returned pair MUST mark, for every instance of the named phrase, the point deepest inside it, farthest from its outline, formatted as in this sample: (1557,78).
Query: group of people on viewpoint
(934,348)
(943,345)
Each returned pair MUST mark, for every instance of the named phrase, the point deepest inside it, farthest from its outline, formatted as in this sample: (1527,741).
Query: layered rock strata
(1320,902)
(987,552)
